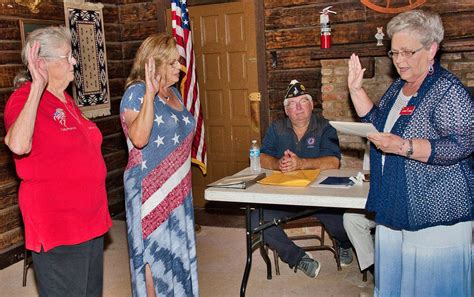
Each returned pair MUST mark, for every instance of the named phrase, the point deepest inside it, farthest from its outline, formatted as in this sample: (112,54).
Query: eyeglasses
(293,104)
(70,58)
(406,54)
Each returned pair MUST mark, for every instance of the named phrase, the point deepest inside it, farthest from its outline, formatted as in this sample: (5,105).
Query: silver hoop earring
(431,70)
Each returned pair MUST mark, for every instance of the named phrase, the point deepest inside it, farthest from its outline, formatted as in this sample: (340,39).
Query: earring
(431,70)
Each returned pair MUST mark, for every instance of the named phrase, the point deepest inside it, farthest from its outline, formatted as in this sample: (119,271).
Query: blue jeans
(287,250)
(71,270)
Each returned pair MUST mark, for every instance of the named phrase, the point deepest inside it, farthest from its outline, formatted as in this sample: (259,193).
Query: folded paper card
(237,181)
(354,128)
(298,178)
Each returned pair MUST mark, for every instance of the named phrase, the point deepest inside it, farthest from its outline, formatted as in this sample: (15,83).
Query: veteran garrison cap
(296,89)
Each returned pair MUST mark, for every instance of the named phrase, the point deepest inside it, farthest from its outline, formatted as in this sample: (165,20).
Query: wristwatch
(410,148)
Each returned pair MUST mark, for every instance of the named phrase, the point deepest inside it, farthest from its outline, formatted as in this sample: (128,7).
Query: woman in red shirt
(58,158)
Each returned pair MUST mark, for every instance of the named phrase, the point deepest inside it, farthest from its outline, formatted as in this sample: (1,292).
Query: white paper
(354,128)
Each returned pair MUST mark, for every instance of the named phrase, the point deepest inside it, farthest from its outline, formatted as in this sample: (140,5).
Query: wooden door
(225,48)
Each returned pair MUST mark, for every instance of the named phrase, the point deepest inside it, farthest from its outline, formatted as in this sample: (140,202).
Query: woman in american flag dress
(157,180)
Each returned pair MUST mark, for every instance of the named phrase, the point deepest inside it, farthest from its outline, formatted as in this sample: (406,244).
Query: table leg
(261,246)
(248,265)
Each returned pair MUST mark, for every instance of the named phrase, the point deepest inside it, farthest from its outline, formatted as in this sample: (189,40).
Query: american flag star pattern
(189,84)
(158,199)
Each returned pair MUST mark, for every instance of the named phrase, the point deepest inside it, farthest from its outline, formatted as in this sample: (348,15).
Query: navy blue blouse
(413,195)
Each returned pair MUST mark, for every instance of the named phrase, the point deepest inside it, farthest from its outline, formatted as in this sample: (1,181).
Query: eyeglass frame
(305,100)
(69,57)
(406,54)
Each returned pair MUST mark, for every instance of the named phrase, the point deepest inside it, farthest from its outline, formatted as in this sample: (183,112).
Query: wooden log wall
(126,23)
(292,36)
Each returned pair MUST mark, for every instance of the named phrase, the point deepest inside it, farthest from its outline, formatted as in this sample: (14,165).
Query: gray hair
(427,26)
(22,77)
(50,39)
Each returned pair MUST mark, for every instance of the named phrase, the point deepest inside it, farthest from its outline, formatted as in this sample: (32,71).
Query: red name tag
(407,110)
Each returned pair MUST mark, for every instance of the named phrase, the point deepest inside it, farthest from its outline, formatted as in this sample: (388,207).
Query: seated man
(302,141)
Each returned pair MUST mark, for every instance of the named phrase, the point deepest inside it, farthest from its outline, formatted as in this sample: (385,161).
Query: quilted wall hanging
(91,84)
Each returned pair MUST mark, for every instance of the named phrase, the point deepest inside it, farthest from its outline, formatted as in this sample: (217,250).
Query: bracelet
(410,148)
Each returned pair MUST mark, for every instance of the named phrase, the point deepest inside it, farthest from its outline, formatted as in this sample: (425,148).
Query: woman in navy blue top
(421,177)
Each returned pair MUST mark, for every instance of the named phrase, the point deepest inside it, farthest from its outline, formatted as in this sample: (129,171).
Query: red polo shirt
(62,194)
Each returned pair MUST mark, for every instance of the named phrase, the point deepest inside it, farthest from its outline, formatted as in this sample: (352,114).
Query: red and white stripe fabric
(165,187)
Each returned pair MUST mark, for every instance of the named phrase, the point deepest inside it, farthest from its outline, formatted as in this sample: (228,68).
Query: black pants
(287,250)
(71,270)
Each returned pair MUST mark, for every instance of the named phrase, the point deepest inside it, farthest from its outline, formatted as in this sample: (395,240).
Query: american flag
(189,85)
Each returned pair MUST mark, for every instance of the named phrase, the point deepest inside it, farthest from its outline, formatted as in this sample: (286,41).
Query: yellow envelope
(298,178)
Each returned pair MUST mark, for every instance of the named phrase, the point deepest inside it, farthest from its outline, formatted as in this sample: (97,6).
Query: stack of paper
(237,181)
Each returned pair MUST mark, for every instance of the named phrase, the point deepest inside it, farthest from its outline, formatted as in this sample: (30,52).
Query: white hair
(285,102)
(427,26)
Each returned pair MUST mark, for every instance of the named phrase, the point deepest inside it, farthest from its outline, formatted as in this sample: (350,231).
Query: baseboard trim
(12,255)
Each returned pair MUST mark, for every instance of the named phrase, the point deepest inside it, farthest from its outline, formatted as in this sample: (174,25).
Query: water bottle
(254,157)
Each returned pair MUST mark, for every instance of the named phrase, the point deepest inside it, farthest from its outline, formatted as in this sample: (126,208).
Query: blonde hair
(50,39)
(427,26)
(160,47)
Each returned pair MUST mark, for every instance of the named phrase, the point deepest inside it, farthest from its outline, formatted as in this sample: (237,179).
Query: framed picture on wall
(29,25)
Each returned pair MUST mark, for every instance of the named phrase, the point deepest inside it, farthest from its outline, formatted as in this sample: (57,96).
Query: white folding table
(311,196)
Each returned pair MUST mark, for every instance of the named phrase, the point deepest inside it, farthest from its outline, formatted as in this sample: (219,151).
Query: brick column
(337,105)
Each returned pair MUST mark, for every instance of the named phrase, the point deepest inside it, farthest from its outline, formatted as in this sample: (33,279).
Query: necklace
(166,97)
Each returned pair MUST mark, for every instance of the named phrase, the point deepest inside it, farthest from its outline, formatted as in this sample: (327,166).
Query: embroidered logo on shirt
(311,141)
(60,116)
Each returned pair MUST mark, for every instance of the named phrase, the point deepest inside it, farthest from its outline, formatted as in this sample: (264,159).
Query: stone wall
(462,65)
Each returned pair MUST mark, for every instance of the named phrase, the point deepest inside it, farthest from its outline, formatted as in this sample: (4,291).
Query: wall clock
(392,6)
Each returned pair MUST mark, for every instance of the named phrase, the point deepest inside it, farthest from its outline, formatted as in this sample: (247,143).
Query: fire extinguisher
(325,27)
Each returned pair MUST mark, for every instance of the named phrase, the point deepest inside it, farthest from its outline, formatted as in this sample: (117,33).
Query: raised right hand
(356,73)
(37,66)
(152,81)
